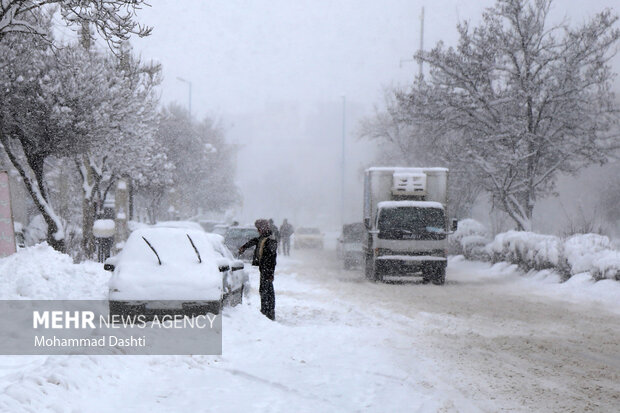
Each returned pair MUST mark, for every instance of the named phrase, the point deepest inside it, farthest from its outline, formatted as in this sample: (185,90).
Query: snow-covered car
(239,235)
(351,244)
(308,238)
(174,270)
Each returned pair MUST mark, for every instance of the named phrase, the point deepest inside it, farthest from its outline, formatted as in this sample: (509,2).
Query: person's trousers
(286,245)
(267,298)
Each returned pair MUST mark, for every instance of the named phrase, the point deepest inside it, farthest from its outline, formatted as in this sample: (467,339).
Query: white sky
(274,73)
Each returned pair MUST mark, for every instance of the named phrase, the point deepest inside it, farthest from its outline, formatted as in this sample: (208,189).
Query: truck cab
(407,223)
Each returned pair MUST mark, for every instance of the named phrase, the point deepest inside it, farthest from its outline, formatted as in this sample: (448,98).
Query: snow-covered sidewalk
(341,343)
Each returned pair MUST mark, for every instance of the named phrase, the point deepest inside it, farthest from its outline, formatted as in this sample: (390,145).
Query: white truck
(407,222)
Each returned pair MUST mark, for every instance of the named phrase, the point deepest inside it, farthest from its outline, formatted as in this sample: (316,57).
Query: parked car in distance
(179,224)
(208,224)
(351,244)
(308,238)
(220,229)
(165,270)
(237,236)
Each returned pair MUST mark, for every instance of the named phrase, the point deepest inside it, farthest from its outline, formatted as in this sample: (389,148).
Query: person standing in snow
(265,254)
(286,230)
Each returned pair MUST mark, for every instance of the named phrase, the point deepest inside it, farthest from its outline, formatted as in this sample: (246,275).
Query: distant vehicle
(308,238)
(351,244)
(220,229)
(174,270)
(180,224)
(208,225)
(406,221)
(237,236)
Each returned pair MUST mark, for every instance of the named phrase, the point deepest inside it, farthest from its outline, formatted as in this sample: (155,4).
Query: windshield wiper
(195,249)
(156,254)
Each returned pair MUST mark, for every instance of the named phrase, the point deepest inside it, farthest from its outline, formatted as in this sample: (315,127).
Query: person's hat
(262,225)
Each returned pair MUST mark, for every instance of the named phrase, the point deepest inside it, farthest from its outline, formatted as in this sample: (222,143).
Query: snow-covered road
(489,340)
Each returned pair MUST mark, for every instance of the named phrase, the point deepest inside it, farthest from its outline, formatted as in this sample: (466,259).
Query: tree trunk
(88,207)
(36,189)
(88,221)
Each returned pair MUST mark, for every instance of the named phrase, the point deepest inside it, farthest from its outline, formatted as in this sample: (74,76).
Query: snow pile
(103,228)
(527,249)
(42,273)
(470,240)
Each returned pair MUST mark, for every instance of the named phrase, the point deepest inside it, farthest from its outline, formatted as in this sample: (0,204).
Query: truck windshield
(411,223)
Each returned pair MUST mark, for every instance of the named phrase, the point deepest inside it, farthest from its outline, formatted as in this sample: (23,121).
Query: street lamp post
(189,103)
(342,165)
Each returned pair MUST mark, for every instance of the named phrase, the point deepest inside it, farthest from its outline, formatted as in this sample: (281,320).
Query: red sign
(7,234)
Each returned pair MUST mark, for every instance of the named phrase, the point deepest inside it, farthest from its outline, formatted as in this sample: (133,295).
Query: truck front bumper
(409,265)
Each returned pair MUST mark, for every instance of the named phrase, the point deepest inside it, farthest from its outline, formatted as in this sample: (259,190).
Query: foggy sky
(274,74)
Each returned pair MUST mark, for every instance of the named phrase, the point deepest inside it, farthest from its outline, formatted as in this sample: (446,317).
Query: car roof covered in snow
(399,169)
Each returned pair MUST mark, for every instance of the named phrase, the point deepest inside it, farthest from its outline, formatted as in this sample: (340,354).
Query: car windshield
(308,231)
(404,222)
(354,232)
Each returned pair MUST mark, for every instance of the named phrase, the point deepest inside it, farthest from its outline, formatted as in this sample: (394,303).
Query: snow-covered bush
(469,240)
(581,253)
(592,253)
(527,249)
(606,265)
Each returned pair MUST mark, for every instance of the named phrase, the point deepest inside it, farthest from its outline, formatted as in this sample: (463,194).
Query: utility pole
(189,103)
(421,42)
(421,49)
(342,166)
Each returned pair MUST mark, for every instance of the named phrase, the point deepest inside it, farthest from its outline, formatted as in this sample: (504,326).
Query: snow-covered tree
(33,122)
(93,109)
(203,177)
(120,120)
(404,143)
(114,20)
(520,100)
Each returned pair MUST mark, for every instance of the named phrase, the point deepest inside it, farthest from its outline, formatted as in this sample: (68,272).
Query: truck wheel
(439,276)
(369,269)
(378,276)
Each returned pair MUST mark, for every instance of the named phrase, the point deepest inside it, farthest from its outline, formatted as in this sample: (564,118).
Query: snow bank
(42,273)
(582,253)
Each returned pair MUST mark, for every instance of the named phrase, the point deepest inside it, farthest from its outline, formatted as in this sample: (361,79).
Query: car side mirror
(224,268)
(110,263)
(237,265)
(367,223)
(455,224)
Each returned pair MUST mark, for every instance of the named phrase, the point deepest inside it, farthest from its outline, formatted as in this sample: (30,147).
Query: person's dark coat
(265,254)
(286,230)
